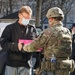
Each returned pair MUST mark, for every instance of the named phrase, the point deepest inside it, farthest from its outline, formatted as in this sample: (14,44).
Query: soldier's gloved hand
(25,48)
(29,48)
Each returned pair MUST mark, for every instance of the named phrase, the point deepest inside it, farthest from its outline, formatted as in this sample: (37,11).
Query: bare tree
(65,5)
(38,12)
(8,6)
(0,5)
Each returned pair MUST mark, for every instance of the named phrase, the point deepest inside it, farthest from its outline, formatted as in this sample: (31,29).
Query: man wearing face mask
(14,35)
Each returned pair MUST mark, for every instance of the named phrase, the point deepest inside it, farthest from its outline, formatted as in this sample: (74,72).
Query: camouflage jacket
(54,40)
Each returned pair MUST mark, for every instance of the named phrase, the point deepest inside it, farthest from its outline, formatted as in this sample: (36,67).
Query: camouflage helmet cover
(55,12)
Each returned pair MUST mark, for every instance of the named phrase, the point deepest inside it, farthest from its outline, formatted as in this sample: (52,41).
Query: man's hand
(19,46)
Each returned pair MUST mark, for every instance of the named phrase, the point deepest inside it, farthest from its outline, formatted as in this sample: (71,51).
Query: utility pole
(38,12)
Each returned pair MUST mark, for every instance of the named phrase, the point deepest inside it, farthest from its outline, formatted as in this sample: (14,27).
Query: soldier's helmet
(55,12)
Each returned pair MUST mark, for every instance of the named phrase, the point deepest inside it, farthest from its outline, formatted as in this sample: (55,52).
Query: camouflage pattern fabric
(59,72)
(54,40)
(54,68)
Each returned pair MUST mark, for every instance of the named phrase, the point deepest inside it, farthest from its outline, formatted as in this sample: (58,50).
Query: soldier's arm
(36,44)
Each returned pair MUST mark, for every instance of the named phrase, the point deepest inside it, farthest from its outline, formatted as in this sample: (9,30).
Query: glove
(25,48)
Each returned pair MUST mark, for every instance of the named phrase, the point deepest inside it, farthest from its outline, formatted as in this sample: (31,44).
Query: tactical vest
(59,44)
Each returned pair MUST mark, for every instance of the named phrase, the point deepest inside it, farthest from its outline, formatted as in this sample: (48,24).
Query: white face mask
(25,21)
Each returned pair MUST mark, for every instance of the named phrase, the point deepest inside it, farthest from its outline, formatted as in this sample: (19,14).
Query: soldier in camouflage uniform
(54,40)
